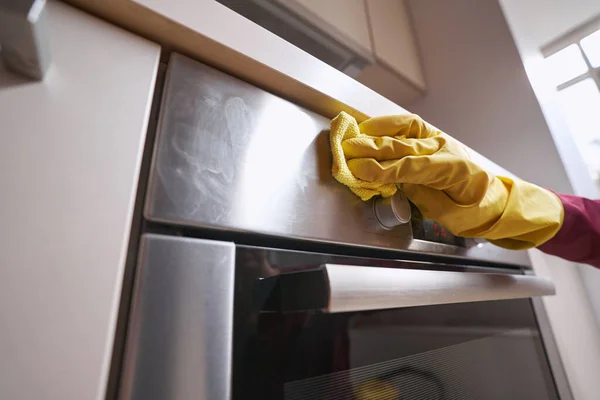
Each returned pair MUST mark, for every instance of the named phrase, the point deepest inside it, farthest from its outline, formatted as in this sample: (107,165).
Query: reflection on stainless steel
(179,342)
(353,288)
(350,288)
(231,156)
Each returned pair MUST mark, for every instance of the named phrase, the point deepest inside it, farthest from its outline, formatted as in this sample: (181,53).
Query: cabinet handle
(23,37)
(342,288)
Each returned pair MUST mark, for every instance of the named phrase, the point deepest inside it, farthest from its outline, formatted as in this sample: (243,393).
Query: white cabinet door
(70,150)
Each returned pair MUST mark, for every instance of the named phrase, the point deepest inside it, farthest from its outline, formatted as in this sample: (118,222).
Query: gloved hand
(435,172)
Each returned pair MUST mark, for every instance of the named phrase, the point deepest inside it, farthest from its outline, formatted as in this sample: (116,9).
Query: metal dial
(392,211)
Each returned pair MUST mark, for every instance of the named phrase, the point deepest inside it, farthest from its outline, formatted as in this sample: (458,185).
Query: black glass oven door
(468,350)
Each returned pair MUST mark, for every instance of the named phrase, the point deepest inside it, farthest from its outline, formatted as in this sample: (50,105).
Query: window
(573,64)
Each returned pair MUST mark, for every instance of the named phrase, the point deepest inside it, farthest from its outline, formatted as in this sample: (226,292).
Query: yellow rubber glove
(435,172)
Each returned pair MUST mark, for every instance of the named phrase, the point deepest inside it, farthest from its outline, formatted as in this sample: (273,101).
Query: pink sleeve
(579,237)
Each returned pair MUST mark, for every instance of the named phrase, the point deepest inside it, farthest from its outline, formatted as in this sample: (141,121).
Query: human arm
(578,239)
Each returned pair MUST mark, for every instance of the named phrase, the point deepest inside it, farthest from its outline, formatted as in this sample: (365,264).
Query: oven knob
(392,211)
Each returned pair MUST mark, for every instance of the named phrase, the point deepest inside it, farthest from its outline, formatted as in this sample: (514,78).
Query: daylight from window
(575,70)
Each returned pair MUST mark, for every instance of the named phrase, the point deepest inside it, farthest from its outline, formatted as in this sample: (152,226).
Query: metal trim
(179,343)
(353,288)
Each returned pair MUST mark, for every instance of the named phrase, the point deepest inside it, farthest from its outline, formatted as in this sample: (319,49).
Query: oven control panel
(397,210)
(211,160)
(431,231)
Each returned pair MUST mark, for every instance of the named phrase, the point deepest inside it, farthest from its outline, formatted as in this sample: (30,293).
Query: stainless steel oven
(260,277)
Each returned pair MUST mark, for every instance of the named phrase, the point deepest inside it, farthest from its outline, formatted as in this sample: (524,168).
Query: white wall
(479,92)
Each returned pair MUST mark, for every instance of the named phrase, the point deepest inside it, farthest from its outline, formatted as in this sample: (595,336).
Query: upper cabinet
(345,20)
(70,150)
(394,44)
(370,40)
(396,72)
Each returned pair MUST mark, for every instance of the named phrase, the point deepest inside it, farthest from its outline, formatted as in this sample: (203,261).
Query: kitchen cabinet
(346,20)
(397,72)
(379,30)
(70,151)
(394,43)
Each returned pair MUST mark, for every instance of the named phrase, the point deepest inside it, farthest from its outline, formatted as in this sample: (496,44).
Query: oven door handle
(342,288)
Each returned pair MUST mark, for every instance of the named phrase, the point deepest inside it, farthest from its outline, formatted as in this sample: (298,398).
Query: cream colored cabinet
(397,72)
(378,30)
(70,150)
(345,20)
(394,43)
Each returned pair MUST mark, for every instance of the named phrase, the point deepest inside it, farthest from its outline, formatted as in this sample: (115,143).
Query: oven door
(212,320)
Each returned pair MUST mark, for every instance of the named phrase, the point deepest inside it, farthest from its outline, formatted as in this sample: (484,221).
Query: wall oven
(260,277)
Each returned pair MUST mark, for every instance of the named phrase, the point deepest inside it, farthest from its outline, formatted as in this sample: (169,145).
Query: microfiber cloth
(344,127)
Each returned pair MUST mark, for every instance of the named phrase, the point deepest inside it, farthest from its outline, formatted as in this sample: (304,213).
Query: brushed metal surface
(179,344)
(357,288)
(231,156)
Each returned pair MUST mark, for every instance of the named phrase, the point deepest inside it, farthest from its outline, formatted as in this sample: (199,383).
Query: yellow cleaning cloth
(437,175)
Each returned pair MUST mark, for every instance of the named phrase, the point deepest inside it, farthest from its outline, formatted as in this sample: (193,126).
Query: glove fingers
(408,125)
(389,148)
(463,181)
(439,172)
(392,171)
(469,221)
(433,204)
(438,206)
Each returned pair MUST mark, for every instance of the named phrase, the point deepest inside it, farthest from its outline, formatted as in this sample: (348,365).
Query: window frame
(574,37)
